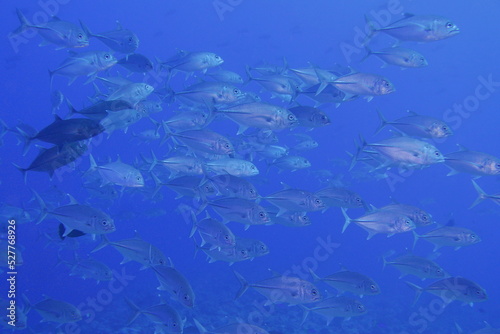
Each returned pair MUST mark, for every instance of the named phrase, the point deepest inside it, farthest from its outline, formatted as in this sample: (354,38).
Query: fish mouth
(454,31)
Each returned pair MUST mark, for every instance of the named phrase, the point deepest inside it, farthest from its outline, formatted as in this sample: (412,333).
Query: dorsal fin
(72,200)
(462,148)
(412,113)
(118,25)
(57,118)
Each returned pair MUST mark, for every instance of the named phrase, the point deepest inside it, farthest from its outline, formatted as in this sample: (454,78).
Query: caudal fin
(418,291)
(481,195)
(24,23)
(383,122)
(244,285)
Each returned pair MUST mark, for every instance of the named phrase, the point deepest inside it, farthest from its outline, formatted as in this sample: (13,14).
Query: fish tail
(22,170)
(93,165)
(313,274)
(24,23)
(27,304)
(369,52)
(459,329)
(347,219)
(244,285)
(418,291)
(481,195)
(383,122)
(157,182)
(27,140)
(86,29)
(135,308)
(385,256)
(72,110)
(415,238)
(104,243)
(306,313)
(359,149)
(200,327)
(168,133)
(249,75)
(43,207)
(373,30)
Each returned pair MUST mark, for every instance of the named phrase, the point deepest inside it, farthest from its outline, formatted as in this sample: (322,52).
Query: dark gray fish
(290,199)
(453,236)
(63,131)
(89,268)
(205,141)
(49,160)
(136,62)
(336,307)
(341,197)
(164,316)
(233,186)
(418,126)
(406,58)
(416,265)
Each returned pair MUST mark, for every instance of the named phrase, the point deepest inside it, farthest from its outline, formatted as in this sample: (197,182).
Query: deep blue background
(253,33)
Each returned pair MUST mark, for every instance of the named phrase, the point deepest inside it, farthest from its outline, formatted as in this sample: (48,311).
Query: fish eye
(262,214)
(236,91)
(291,117)
(104,223)
(174,324)
(373,287)
(498,166)
(425,218)
(160,261)
(318,201)
(386,84)
(80,36)
(217,57)
(445,128)
(449,25)
(226,237)
(437,153)
(473,236)
(130,39)
(314,292)
(227,145)
(138,178)
(358,199)
(360,307)
(408,222)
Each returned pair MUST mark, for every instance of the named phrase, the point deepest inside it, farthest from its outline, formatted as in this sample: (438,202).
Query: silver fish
(283,289)
(137,63)
(482,196)
(365,84)
(231,166)
(449,236)
(55,310)
(233,186)
(118,173)
(192,61)
(417,215)
(336,307)
(290,199)
(120,40)
(341,197)
(213,232)
(418,126)
(240,210)
(164,316)
(310,117)
(291,163)
(172,281)
(351,281)
(417,266)
(403,57)
(472,162)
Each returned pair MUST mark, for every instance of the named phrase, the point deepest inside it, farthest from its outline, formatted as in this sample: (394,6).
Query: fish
(403,57)
(211,94)
(231,166)
(89,268)
(240,210)
(213,232)
(280,86)
(79,217)
(417,125)
(191,62)
(51,159)
(282,289)
(135,249)
(121,119)
(176,284)
(84,64)
(452,288)
(233,186)
(131,93)
(254,247)
(56,98)
(237,328)
(63,34)
(289,218)
(341,197)
(310,117)
(101,109)
(453,236)
(351,281)
(206,141)
(117,173)
(63,131)
(119,40)
(416,265)
(336,307)
(290,199)
(482,196)
(406,151)
(387,222)
(417,215)
(187,185)
(259,115)
(418,28)
(136,63)
(180,165)
(365,84)
(225,76)
(189,120)
(226,254)
(55,310)
(162,315)
(271,151)
(472,162)
(291,163)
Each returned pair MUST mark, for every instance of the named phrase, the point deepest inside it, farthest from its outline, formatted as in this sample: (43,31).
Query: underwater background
(326,34)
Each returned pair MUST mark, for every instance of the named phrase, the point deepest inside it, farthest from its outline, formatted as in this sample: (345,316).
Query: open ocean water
(269,45)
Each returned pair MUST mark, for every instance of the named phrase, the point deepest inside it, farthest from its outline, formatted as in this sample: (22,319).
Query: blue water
(253,33)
